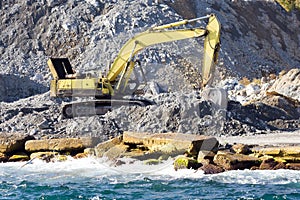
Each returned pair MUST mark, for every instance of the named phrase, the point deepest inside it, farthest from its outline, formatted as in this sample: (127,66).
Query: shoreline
(213,155)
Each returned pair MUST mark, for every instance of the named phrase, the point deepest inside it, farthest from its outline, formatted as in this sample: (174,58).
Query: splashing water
(98,179)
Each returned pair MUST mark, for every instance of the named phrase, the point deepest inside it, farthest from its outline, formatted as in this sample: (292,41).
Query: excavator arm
(211,50)
(122,64)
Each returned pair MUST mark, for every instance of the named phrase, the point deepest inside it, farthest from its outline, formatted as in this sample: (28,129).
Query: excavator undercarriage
(100,107)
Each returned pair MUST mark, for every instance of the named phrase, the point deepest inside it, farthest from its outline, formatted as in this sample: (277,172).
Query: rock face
(257,39)
(15,87)
(288,85)
(264,114)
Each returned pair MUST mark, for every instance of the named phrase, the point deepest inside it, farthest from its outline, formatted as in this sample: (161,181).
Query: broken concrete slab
(186,142)
(62,144)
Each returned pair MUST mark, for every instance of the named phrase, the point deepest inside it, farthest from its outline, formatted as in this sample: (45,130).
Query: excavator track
(100,106)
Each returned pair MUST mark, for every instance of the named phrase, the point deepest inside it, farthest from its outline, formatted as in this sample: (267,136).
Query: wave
(101,168)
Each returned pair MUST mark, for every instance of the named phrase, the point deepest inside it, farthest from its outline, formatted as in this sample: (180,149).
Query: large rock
(288,107)
(288,85)
(13,142)
(230,161)
(103,147)
(63,144)
(271,164)
(185,142)
(115,152)
(211,169)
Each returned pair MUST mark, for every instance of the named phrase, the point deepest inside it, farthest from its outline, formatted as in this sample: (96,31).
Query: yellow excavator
(108,89)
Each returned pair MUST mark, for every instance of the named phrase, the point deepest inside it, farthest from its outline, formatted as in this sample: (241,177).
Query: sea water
(94,179)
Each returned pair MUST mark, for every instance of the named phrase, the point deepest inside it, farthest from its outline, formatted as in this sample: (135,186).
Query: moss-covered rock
(61,158)
(21,156)
(289,153)
(183,162)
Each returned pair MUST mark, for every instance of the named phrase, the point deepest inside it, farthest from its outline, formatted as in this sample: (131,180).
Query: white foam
(258,177)
(101,168)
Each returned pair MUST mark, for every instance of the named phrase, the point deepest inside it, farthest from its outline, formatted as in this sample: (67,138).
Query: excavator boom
(146,39)
(162,34)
